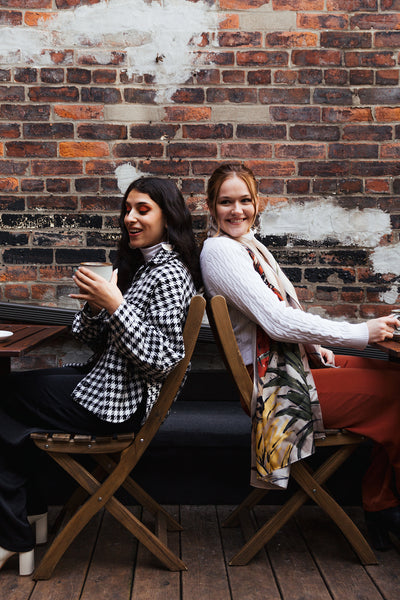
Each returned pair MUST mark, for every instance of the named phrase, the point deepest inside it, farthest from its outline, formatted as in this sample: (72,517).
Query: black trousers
(37,401)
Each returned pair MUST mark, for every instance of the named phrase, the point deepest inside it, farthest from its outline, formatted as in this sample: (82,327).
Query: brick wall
(305,92)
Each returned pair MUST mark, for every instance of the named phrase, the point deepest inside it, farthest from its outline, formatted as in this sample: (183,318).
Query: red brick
(104,76)
(345,39)
(339,151)
(236,95)
(300,151)
(375,21)
(351,5)
(387,77)
(57,167)
(240,39)
(259,77)
(52,94)
(32,18)
(10,17)
(12,94)
(79,112)
(18,273)
(240,4)
(310,58)
(294,5)
(90,59)
(390,150)
(192,150)
(246,150)
(322,21)
(202,132)
(303,114)
(25,75)
(369,59)
(233,76)
(31,149)
(284,96)
(75,149)
(165,167)
(8,184)
(16,293)
(290,39)
(367,132)
(230,22)
(336,76)
(387,114)
(343,115)
(361,76)
(43,293)
(53,76)
(183,113)
(27,3)
(261,58)
(9,130)
(129,150)
(377,186)
(52,202)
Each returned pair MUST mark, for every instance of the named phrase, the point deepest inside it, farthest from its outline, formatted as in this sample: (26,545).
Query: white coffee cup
(103,269)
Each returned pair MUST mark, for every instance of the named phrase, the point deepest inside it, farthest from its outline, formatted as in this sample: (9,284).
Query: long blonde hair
(222,173)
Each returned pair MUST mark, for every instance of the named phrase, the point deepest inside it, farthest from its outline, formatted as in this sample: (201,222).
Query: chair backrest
(221,325)
(175,378)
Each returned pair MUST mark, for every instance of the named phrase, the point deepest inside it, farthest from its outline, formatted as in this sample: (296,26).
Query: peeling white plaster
(386,259)
(390,296)
(125,174)
(321,220)
(170,30)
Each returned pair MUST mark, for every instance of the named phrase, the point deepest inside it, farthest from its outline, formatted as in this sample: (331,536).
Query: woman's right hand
(381,329)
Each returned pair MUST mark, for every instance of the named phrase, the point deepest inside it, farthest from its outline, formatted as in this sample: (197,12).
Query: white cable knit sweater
(228,270)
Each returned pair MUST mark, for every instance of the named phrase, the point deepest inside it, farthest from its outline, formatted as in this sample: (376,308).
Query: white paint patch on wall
(317,221)
(170,30)
(125,174)
(386,259)
(390,296)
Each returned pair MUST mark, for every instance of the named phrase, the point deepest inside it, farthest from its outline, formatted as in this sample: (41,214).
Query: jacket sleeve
(90,329)
(154,344)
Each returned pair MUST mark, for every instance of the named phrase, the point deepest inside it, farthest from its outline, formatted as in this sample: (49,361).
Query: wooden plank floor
(308,560)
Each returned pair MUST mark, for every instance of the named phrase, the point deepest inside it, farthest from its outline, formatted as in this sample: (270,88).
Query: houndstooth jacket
(139,344)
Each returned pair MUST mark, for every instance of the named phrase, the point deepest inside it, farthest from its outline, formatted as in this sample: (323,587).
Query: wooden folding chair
(117,456)
(311,483)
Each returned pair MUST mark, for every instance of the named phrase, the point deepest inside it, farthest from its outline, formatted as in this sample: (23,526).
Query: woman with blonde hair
(301,387)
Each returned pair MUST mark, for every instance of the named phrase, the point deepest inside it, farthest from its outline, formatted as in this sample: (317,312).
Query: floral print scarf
(286,416)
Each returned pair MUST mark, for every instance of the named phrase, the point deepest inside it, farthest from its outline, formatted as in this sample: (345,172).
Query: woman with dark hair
(133,323)
(298,390)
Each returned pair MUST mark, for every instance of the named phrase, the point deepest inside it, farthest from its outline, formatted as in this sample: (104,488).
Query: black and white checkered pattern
(141,341)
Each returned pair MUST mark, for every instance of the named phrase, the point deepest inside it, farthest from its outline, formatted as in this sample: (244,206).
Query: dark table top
(26,336)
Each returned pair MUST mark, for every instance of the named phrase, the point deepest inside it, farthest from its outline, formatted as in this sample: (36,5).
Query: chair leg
(100,495)
(268,530)
(139,494)
(76,500)
(336,512)
(248,503)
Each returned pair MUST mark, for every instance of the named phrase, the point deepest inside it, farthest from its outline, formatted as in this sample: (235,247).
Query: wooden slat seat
(310,483)
(116,458)
(81,444)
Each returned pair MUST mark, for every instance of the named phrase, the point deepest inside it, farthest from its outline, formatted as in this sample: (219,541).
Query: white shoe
(40,522)
(26,560)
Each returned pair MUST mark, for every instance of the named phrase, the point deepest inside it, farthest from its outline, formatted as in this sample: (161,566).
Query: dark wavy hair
(179,223)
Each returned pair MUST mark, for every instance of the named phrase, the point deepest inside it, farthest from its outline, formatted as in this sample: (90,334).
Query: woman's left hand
(327,356)
(97,291)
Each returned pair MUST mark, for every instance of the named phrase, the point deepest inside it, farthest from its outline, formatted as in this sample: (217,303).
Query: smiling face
(144,221)
(235,209)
